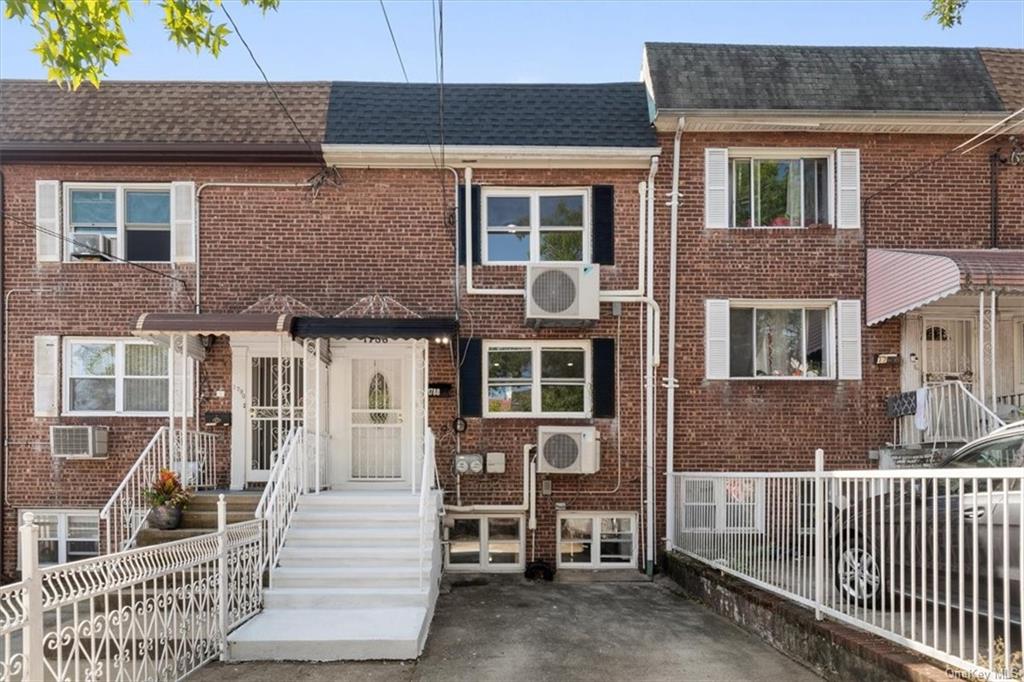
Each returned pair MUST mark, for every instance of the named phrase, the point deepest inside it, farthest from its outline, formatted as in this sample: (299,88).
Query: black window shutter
(603,224)
(475,203)
(470,379)
(603,376)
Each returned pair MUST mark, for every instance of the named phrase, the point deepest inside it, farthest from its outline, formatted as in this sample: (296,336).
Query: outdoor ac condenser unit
(563,293)
(91,246)
(79,441)
(568,450)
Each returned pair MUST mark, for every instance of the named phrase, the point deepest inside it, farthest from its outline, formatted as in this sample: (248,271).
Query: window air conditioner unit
(568,450)
(91,247)
(79,441)
(563,293)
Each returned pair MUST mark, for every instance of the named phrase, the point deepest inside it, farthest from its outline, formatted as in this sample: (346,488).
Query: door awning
(899,281)
(379,327)
(159,324)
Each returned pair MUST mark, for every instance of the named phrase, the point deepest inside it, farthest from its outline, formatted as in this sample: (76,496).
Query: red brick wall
(380,232)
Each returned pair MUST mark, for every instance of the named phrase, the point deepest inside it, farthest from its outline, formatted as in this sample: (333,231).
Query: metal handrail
(426,485)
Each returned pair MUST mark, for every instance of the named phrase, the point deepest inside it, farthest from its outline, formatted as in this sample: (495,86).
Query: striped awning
(157,324)
(899,281)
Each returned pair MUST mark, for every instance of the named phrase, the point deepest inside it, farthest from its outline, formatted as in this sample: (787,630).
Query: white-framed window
(136,218)
(597,540)
(537,378)
(127,377)
(776,341)
(65,535)
(722,504)
(781,188)
(486,543)
(533,225)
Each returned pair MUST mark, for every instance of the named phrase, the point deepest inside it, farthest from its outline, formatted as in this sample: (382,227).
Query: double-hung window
(780,190)
(136,219)
(115,376)
(66,535)
(596,540)
(549,378)
(536,225)
(768,341)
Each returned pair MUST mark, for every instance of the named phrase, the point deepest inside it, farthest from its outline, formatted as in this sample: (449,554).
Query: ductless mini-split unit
(564,295)
(568,450)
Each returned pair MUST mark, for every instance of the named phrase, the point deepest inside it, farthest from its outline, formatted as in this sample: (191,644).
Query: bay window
(538,378)
(780,342)
(116,376)
(536,225)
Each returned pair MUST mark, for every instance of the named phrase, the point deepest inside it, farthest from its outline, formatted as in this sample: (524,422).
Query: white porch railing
(928,558)
(154,613)
(428,509)
(954,415)
(286,483)
(195,459)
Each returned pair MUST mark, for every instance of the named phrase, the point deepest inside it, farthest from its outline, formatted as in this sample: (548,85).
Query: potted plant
(167,497)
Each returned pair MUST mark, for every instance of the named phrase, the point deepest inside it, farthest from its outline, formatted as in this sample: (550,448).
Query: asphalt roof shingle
(594,115)
(780,77)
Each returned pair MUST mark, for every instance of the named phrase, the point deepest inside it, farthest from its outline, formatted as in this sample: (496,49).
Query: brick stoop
(200,517)
(834,650)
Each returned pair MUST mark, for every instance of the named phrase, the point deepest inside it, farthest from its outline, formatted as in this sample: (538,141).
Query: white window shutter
(848,333)
(48,239)
(716,338)
(46,364)
(183,222)
(848,189)
(716,188)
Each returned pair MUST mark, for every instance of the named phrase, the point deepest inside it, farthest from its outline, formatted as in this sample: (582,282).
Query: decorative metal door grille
(269,419)
(377,417)
(947,351)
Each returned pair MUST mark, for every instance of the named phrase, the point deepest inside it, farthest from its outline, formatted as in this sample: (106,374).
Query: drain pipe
(670,381)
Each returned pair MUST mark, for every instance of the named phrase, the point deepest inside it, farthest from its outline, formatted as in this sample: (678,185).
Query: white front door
(269,421)
(374,438)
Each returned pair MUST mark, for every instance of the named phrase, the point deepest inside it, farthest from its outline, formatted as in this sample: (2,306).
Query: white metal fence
(154,613)
(928,558)
(952,415)
(193,455)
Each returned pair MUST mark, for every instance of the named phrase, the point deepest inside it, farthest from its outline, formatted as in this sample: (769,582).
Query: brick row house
(751,253)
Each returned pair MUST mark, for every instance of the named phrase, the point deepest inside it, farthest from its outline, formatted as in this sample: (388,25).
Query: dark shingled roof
(768,77)
(169,112)
(598,115)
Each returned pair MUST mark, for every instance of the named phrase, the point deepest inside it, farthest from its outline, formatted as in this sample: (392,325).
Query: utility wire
(394,41)
(270,85)
(39,228)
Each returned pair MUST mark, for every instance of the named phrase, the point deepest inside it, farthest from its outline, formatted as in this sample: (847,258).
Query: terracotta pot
(165,517)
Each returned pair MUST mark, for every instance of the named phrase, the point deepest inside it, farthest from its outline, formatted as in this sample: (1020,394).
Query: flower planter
(165,517)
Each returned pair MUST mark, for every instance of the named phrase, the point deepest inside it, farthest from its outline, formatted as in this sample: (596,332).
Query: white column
(171,440)
(280,395)
(222,574)
(32,642)
(980,389)
(317,406)
(992,347)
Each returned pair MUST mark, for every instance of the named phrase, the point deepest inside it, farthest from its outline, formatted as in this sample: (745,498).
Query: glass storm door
(378,418)
(266,423)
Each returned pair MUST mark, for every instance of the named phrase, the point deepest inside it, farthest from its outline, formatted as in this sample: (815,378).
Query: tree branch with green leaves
(80,39)
(948,13)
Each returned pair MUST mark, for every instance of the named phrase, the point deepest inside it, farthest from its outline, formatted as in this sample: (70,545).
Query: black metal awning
(379,327)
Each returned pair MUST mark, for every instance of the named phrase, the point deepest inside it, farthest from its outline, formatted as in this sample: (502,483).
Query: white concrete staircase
(348,584)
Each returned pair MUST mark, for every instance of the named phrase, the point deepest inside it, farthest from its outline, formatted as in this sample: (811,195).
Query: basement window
(485,544)
(725,504)
(66,535)
(596,540)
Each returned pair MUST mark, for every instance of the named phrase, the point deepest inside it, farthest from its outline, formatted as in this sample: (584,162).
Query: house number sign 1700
(376,339)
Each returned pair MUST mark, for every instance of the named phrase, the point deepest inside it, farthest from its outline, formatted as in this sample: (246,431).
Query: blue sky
(518,42)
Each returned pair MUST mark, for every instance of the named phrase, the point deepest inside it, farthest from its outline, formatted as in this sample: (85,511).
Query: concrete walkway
(512,630)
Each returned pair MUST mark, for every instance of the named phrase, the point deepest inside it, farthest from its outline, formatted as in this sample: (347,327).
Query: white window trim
(719,492)
(536,347)
(119,188)
(783,153)
(62,529)
(534,194)
(813,304)
(119,377)
(595,540)
(483,566)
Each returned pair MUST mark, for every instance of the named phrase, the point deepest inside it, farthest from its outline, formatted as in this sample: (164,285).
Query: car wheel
(858,575)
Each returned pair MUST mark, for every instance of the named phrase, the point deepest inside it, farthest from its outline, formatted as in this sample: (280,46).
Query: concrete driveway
(508,629)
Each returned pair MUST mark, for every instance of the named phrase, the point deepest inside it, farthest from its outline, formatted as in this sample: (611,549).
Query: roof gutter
(120,152)
(833,120)
(489,156)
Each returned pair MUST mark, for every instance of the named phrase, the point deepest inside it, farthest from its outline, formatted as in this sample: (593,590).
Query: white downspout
(470,289)
(670,380)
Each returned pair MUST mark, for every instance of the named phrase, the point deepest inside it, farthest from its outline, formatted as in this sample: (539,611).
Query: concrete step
(315,577)
(365,501)
(192,518)
(360,536)
(343,597)
(354,516)
(152,536)
(360,557)
(330,635)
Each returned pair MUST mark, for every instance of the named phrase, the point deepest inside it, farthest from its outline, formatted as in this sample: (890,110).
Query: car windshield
(1005,452)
